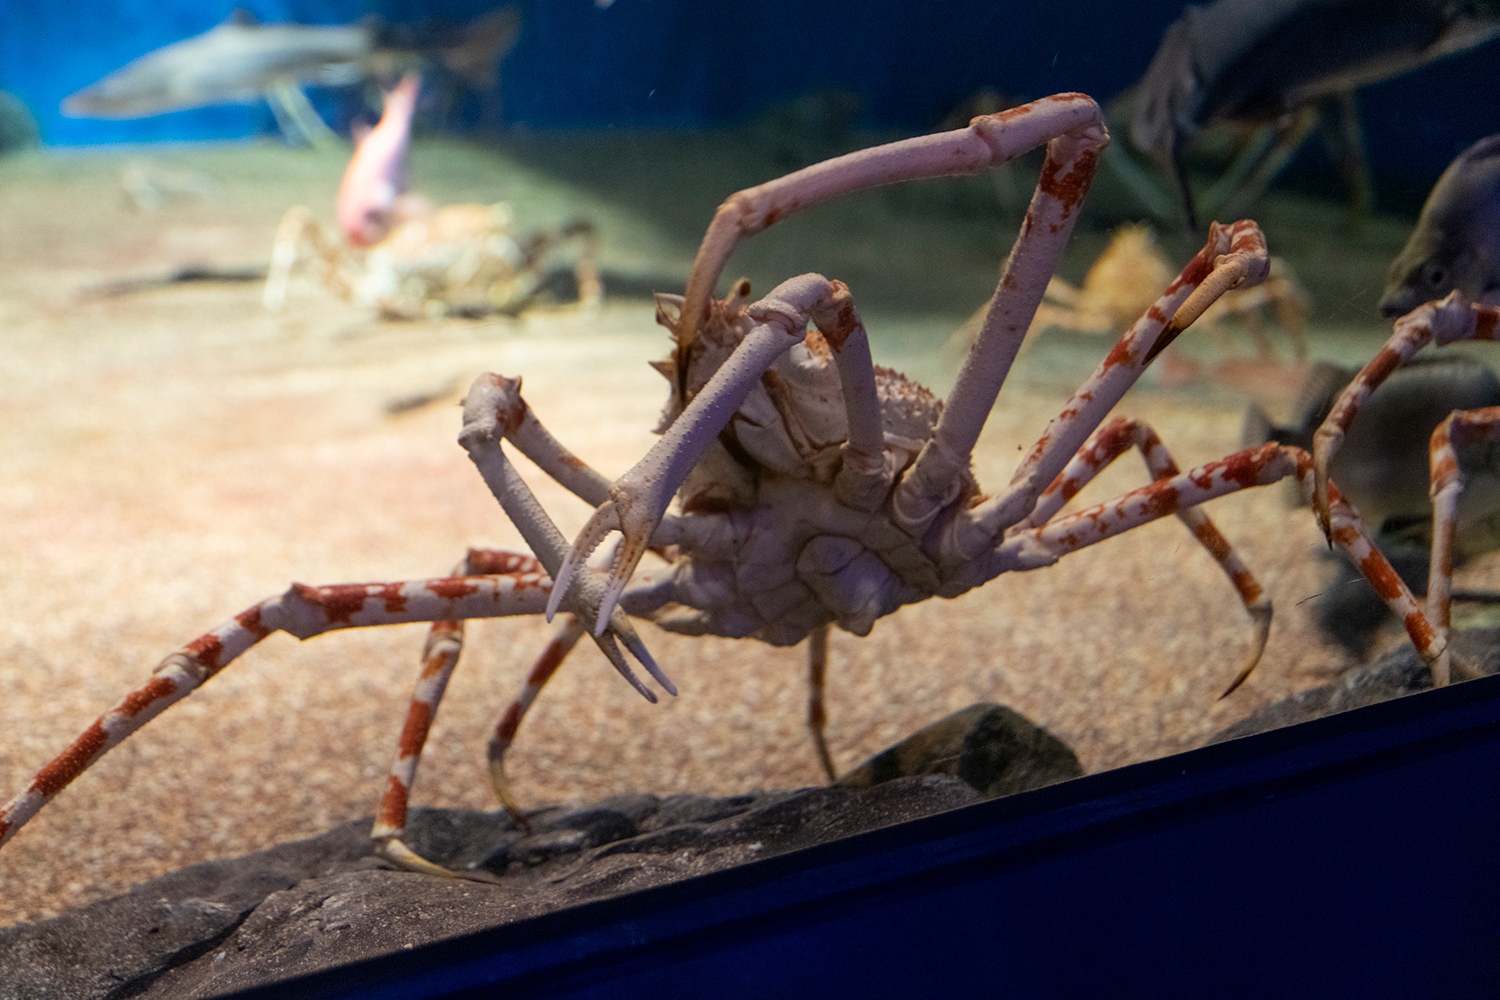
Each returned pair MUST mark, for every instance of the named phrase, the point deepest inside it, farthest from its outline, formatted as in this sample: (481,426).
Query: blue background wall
(687,63)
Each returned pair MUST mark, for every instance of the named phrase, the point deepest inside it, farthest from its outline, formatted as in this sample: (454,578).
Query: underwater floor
(170,456)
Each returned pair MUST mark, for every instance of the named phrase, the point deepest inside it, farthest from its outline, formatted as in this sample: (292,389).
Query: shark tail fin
(486,41)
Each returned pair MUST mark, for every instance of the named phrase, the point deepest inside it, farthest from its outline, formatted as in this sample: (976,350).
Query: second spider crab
(814,489)
(458,260)
(1464,452)
(1125,280)
(411,260)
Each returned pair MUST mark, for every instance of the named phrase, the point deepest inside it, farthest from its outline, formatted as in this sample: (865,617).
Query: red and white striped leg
(1043,545)
(493,412)
(1110,442)
(557,650)
(1462,431)
(1234,256)
(440,656)
(302,611)
(1451,320)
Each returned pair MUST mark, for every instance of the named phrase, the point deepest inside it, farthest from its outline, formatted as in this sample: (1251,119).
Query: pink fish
(371,195)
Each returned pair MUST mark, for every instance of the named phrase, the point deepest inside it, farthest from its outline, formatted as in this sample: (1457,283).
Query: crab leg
(1462,431)
(1044,545)
(639,498)
(440,656)
(521,428)
(1107,444)
(866,473)
(817,715)
(642,600)
(1234,255)
(546,665)
(934,479)
(486,410)
(1445,322)
(302,611)
(987,142)
(586,270)
(294,228)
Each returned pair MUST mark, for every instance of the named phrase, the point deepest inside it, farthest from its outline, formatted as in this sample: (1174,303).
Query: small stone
(994,749)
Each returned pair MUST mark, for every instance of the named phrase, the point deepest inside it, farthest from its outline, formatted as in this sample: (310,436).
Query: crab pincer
(615,630)
(640,497)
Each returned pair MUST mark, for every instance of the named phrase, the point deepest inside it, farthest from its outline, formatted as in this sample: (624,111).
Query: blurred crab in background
(459,260)
(411,260)
(813,487)
(1126,279)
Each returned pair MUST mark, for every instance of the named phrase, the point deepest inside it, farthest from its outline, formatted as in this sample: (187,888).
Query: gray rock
(303,907)
(314,904)
(103,949)
(1396,674)
(995,750)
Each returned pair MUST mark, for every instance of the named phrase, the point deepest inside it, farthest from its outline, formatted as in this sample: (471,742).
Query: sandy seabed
(170,457)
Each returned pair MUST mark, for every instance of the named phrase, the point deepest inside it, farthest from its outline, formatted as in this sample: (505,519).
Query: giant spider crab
(459,260)
(815,489)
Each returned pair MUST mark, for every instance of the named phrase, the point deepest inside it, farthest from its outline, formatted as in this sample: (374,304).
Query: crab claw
(603,521)
(639,499)
(635,516)
(612,626)
(621,631)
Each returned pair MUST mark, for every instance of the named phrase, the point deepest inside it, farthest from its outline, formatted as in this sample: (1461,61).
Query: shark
(242,60)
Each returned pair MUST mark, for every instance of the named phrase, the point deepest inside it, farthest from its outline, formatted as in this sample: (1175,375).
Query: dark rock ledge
(314,904)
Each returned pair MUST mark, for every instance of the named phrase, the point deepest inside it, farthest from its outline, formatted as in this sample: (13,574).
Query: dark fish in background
(18,127)
(1456,242)
(1259,61)
(1383,469)
(240,60)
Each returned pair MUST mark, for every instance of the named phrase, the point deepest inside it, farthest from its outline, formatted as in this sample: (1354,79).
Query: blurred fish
(1456,243)
(240,60)
(1263,60)
(1383,469)
(375,181)
(18,127)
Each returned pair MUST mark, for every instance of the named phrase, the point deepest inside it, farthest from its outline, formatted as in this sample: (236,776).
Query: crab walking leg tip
(500,785)
(1325,522)
(1261,616)
(1245,671)
(398,854)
